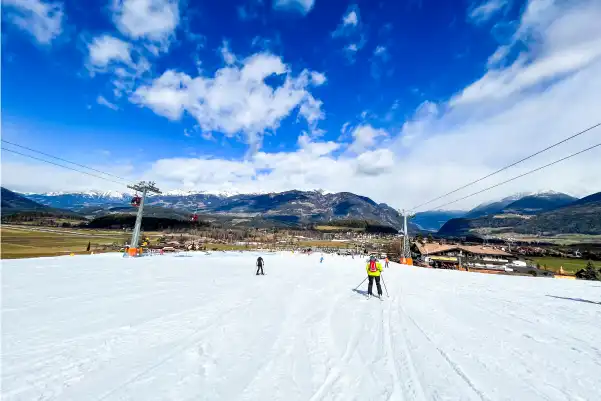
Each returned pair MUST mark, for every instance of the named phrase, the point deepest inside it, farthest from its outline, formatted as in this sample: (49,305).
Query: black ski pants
(371,283)
(260,267)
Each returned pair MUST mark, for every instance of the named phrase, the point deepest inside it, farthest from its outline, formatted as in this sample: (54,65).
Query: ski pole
(384,285)
(361,283)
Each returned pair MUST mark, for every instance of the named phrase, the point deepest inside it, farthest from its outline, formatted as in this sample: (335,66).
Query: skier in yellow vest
(373,269)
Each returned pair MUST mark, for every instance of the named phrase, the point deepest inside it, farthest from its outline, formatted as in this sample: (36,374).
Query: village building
(453,256)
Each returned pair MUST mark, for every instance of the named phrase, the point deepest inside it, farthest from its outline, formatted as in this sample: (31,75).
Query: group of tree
(368,226)
(45,218)
(420,238)
(589,272)
(121,221)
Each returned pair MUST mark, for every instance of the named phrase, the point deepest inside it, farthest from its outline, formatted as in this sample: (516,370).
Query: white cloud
(344,128)
(365,137)
(149,26)
(349,24)
(191,173)
(104,102)
(381,51)
(207,135)
(236,100)
(168,96)
(350,30)
(301,6)
(226,53)
(352,18)
(486,10)
(378,60)
(311,110)
(154,20)
(318,78)
(351,50)
(42,19)
(125,63)
(316,148)
(561,49)
(374,163)
(106,49)
(498,56)
(353,47)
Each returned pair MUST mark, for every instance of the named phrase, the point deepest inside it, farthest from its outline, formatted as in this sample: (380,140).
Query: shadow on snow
(362,292)
(575,299)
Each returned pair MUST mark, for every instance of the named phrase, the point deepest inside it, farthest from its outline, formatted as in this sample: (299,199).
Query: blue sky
(365,96)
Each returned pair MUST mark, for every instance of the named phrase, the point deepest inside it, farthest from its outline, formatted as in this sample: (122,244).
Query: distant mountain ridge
(495,207)
(13,203)
(523,203)
(308,207)
(295,207)
(549,213)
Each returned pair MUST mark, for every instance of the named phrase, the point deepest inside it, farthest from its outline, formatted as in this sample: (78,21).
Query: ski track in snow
(205,327)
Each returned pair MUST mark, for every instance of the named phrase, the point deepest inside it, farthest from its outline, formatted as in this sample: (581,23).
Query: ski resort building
(452,256)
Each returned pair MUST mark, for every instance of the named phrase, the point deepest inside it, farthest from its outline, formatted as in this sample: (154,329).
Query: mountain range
(525,203)
(12,203)
(525,213)
(547,213)
(290,207)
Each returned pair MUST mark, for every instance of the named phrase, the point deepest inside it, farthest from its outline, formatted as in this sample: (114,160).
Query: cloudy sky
(397,100)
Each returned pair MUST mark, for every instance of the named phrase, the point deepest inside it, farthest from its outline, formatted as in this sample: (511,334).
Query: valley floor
(204,327)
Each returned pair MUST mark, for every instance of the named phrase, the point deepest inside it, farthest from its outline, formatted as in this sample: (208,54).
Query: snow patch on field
(204,327)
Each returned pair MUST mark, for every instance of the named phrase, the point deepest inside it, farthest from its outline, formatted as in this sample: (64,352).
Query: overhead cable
(64,160)
(63,166)
(519,176)
(508,166)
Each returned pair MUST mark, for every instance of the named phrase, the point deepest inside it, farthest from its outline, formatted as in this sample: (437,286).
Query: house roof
(483,250)
(434,248)
(425,249)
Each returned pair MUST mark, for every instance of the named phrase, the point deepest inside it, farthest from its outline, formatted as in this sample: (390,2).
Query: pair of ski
(380,297)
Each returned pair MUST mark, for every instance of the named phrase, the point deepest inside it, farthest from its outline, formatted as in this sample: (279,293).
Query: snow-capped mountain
(523,203)
(290,206)
(92,194)
(539,202)
(78,200)
(221,193)
(494,207)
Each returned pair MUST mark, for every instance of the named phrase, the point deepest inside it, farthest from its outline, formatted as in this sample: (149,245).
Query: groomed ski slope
(206,328)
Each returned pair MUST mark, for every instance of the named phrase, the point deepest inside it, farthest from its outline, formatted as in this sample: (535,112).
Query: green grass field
(559,239)
(570,266)
(23,242)
(19,241)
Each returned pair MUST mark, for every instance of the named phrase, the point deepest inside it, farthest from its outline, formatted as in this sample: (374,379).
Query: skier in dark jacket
(260,265)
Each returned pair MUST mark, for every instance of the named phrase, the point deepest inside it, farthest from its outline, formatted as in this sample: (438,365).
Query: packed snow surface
(203,327)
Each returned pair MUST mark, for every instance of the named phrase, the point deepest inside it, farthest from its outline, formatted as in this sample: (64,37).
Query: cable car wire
(64,160)
(63,166)
(508,166)
(519,176)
